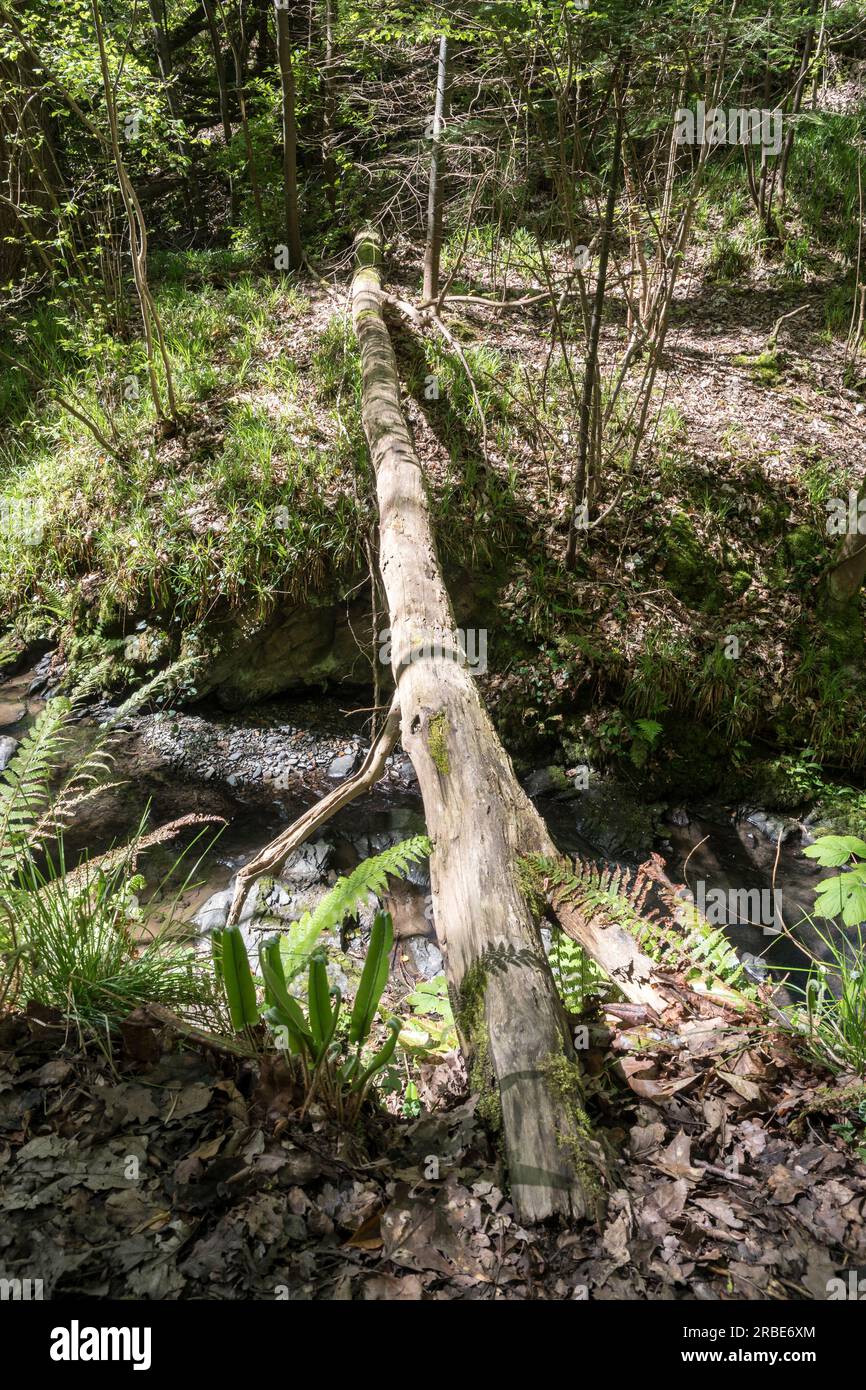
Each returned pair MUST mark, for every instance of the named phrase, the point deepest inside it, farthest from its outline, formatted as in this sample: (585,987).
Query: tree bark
(290,139)
(329,164)
(591,366)
(480,820)
(164,62)
(433,250)
(849,570)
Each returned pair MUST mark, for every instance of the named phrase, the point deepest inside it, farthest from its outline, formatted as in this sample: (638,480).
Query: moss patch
(437,743)
(472,1024)
(575,1135)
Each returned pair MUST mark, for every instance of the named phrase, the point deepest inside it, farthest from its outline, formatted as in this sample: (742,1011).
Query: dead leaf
(368,1235)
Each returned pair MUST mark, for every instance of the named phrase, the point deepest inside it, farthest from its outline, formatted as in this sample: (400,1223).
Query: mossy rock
(686,567)
(615,818)
(699,760)
(740,581)
(771,783)
(840,813)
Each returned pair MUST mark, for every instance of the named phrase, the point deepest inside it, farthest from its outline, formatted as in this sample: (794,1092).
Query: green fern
(575,974)
(65,936)
(370,877)
(24,785)
(677,940)
(700,951)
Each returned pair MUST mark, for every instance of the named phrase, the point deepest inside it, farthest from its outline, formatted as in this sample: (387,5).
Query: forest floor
(168,1171)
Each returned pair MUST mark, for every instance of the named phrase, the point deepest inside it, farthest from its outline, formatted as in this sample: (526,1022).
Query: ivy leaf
(833,850)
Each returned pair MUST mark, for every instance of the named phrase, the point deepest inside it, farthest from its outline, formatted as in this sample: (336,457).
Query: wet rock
(7,749)
(212,916)
(612,818)
(344,766)
(754,966)
(308,865)
(547,781)
(41,674)
(147,646)
(304,646)
(772,827)
(404,771)
(426,957)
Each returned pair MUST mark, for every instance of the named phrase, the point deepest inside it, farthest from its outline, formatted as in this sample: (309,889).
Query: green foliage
(730,259)
(645,732)
(429,1031)
(843,895)
(369,878)
(67,933)
(680,941)
(232,971)
(335,1069)
(702,952)
(829,1009)
(577,976)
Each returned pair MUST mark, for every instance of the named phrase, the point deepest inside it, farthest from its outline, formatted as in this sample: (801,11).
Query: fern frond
(24,789)
(370,877)
(677,938)
(575,974)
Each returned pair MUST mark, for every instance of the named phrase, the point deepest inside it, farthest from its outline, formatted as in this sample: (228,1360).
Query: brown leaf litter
(174,1174)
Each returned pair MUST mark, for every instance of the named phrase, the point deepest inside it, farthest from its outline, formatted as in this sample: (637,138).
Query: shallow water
(200,770)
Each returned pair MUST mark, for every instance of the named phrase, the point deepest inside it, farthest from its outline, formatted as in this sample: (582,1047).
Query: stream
(257,771)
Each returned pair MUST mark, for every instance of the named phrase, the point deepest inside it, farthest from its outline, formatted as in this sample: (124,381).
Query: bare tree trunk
(239,49)
(509,1017)
(589,375)
(849,570)
(223,90)
(797,103)
(437,177)
(290,139)
(192,191)
(153,335)
(329,164)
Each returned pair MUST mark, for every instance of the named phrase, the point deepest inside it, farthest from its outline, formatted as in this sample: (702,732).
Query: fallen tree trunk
(483,827)
(848,570)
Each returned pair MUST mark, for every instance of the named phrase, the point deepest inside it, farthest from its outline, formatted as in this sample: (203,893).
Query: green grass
(263,495)
(67,930)
(249,504)
(730,259)
(75,950)
(829,1012)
